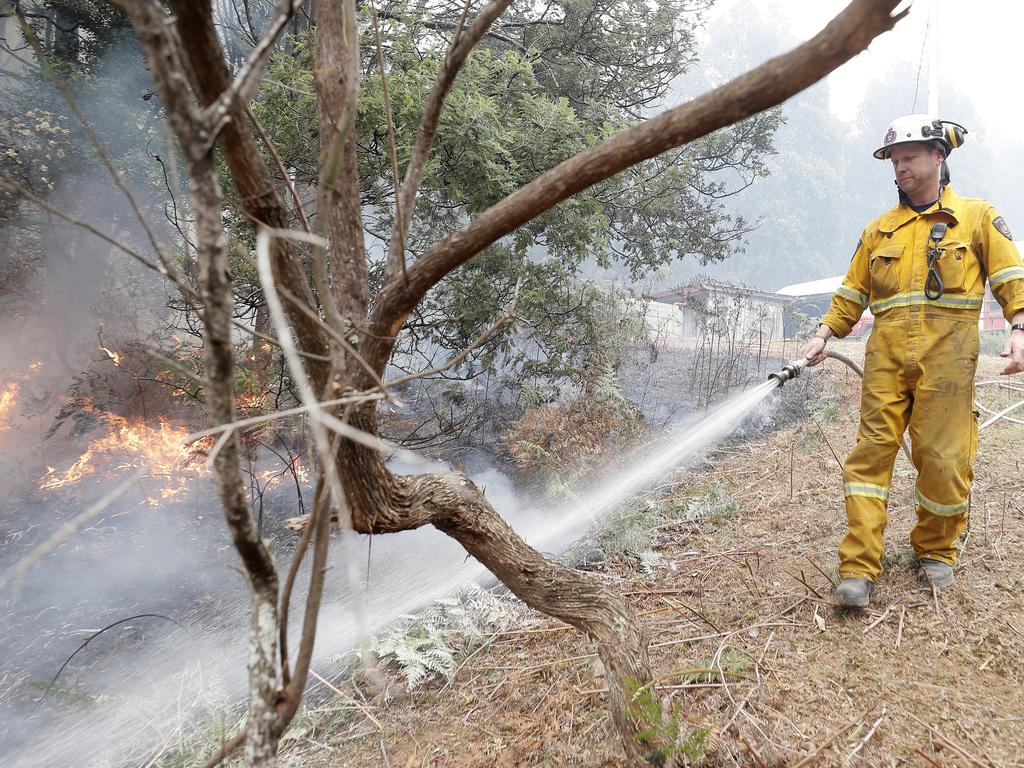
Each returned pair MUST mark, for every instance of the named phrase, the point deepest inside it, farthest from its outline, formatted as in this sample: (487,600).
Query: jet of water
(671,452)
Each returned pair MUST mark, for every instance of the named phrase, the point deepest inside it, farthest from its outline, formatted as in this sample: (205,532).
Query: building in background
(810,303)
(728,311)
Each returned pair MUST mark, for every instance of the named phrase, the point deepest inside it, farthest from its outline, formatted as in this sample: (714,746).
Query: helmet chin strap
(943,183)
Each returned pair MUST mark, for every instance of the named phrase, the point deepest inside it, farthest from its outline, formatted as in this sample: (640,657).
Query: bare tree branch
(462,45)
(396,257)
(252,178)
(338,199)
(235,99)
(327,451)
(264,418)
(497,325)
(321,497)
(299,209)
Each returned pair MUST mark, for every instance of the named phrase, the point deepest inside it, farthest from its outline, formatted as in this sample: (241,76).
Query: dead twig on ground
(832,738)
(818,568)
(944,740)
(866,739)
(803,580)
(931,761)
(879,620)
(753,753)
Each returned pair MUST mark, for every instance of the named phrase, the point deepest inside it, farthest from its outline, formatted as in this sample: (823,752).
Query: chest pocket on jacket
(884,266)
(952,265)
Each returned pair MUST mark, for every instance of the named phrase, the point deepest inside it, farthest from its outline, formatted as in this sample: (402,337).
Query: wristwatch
(1017,327)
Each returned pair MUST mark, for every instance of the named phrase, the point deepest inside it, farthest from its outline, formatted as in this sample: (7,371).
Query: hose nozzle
(789,371)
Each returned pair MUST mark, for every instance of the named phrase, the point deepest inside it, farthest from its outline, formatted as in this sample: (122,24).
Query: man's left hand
(1014,350)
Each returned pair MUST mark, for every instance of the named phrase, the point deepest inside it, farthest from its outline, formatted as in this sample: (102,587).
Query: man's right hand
(814,350)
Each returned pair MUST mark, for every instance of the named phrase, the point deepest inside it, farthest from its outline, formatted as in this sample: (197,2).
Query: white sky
(979,48)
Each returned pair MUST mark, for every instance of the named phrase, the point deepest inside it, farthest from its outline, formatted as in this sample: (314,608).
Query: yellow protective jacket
(889,267)
(919,368)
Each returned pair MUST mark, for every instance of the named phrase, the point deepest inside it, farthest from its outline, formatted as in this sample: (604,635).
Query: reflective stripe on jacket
(890,265)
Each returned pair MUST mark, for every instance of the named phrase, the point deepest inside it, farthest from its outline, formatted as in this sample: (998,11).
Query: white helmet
(913,128)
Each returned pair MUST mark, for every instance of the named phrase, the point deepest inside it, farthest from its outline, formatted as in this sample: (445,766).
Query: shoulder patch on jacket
(855,250)
(1000,224)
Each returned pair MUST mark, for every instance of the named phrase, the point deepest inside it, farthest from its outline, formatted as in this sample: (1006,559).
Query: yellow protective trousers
(919,371)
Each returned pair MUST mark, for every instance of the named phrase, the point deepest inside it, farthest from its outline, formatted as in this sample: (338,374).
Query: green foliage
(811,442)
(432,642)
(569,433)
(627,533)
(728,663)
(703,506)
(547,84)
(664,730)
(72,695)
(77,33)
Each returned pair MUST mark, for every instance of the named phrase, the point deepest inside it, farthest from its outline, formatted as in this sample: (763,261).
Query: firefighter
(921,269)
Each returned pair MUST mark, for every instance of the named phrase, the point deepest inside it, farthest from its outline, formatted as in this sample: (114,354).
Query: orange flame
(251,401)
(8,397)
(114,356)
(129,445)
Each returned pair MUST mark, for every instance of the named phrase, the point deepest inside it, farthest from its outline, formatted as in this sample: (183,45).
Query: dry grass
(745,638)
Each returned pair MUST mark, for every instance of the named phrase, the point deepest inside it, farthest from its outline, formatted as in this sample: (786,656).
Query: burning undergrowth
(154,567)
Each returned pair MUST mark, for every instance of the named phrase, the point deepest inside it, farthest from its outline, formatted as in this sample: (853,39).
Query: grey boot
(854,593)
(935,572)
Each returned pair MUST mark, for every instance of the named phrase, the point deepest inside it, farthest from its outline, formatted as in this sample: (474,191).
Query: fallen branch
(753,753)
(226,749)
(930,760)
(878,621)
(94,635)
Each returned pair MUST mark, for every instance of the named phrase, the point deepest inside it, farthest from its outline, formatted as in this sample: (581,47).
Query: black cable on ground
(94,635)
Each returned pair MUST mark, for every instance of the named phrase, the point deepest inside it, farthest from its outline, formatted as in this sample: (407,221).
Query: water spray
(789,371)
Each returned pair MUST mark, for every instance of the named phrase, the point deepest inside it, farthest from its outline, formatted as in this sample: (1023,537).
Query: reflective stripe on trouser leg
(944,432)
(860,552)
(868,469)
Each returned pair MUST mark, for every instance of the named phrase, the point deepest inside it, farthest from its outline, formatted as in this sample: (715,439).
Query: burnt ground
(764,669)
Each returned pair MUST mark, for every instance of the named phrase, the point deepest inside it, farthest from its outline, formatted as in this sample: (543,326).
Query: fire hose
(793,369)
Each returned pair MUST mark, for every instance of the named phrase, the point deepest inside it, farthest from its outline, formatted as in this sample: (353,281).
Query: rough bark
(163,49)
(385,503)
(338,200)
(209,75)
(262,726)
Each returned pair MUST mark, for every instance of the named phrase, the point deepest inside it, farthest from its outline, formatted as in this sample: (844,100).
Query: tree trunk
(382,502)
(263,729)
